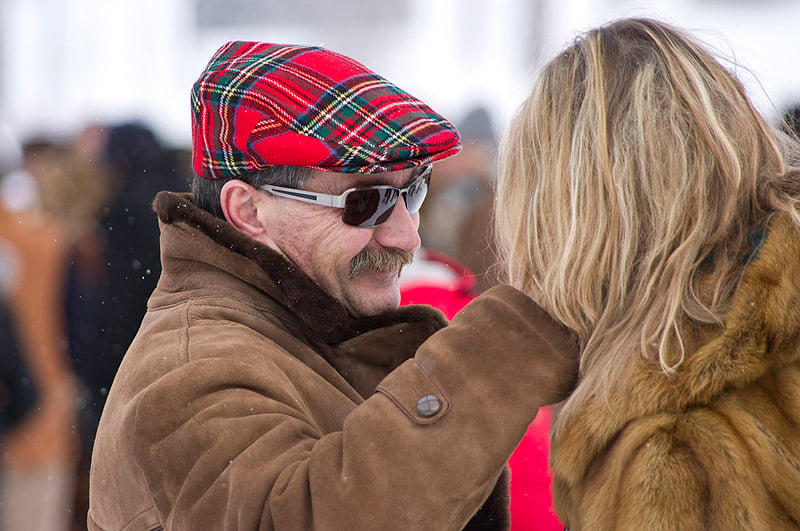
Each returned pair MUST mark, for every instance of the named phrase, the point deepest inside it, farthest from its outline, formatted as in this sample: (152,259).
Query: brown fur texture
(715,446)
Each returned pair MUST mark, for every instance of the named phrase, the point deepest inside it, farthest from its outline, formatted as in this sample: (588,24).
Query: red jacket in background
(444,283)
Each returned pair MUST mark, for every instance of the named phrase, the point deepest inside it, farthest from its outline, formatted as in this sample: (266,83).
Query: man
(275,383)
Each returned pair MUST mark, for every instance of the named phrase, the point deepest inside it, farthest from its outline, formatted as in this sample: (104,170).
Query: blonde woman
(647,205)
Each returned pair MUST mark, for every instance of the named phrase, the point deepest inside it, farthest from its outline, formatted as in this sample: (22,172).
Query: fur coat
(715,446)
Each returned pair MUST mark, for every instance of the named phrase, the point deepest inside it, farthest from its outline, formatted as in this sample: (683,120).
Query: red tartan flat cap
(258,105)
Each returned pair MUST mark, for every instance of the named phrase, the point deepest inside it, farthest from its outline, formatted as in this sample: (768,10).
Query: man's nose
(400,230)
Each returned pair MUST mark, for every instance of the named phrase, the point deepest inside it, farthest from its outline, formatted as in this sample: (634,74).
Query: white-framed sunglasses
(367,206)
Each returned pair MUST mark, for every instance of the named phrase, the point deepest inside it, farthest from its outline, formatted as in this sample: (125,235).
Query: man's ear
(239,202)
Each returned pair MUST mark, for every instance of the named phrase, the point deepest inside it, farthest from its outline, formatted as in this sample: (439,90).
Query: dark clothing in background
(104,313)
(17,392)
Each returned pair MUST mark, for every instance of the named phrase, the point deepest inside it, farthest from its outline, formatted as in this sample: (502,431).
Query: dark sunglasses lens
(363,208)
(370,207)
(415,195)
(389,199)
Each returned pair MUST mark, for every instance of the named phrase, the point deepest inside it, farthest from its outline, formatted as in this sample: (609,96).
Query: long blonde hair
(632,181)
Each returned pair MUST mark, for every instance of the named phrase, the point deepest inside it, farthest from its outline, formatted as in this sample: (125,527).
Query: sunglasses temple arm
(336,201)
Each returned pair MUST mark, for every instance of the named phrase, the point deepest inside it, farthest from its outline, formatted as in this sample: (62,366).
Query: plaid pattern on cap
(258,105)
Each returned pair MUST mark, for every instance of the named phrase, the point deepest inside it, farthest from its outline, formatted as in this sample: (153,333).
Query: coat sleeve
(423,452)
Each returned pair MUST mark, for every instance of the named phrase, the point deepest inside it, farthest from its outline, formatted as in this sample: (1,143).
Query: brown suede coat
(716,446)
(251,400)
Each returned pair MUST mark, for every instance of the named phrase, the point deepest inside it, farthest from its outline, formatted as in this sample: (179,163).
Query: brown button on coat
(251,400)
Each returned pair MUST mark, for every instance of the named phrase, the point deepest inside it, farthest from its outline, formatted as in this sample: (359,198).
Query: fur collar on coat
(715,446)
(319,312)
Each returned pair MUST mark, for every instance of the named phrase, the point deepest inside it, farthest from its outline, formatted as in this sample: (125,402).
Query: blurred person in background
(450,267)
(274,382)
(439,280)
(18,394)
(457,218)
(138,166)
(84,275)
(645,204)
(39,454)
(114,264)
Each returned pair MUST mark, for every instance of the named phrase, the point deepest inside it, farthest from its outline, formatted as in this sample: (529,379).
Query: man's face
(317,240)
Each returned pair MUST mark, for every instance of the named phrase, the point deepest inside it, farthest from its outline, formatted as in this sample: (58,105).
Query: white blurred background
(68,63)
(69,67)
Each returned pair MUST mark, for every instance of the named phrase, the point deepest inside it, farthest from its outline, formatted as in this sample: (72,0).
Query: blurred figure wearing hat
(457,217)
(275,383)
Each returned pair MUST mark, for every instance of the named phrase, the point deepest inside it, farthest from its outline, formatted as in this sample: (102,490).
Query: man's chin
(374,293)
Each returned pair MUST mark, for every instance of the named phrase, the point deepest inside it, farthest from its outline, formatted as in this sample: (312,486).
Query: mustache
(380,260)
